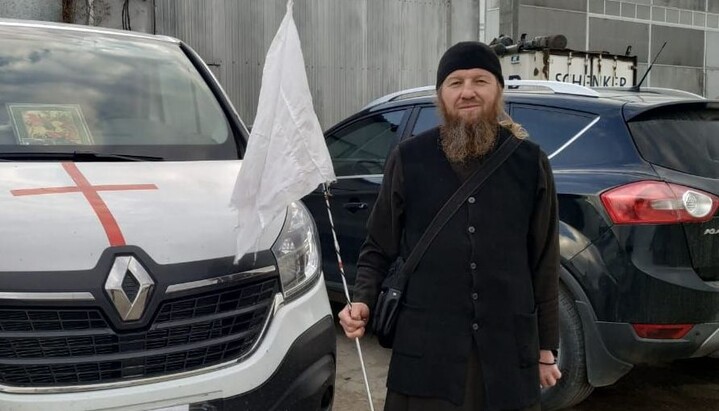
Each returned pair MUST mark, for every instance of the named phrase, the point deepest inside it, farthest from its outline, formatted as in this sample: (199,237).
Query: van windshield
(685,139)
(64,91)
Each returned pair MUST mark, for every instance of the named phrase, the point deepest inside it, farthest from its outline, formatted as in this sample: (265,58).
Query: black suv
(637,175)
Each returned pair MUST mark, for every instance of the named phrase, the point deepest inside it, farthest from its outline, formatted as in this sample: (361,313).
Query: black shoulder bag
(389,300)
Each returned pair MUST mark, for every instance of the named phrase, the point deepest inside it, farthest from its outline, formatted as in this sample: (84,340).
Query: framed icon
(49,124)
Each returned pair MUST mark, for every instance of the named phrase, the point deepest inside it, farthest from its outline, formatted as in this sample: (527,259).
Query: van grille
(42,347)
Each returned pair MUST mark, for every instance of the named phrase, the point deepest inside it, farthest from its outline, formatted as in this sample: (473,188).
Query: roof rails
(656,90)
(397,95)
(556,86)
(672,92)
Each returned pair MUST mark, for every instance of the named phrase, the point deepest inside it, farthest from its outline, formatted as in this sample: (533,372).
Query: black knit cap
(469,55)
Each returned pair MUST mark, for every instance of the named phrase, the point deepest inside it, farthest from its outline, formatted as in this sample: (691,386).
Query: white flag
(286,155)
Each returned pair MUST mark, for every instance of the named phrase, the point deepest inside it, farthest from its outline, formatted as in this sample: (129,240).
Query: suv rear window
(682,139)
(551,128)
(102,93)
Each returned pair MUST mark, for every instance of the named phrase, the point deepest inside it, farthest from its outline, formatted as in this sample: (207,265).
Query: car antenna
(636,88)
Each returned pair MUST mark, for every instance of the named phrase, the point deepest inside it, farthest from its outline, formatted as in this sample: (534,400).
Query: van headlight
(297,251)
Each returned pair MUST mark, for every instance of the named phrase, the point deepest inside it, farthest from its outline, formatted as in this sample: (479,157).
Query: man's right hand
(354,320)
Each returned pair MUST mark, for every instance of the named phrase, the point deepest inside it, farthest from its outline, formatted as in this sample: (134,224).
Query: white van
(118,156)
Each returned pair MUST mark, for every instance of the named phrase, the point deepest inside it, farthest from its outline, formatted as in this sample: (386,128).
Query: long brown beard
(464,140)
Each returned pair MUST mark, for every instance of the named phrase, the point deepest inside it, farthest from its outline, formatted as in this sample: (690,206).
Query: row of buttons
(475,296)
(473,266)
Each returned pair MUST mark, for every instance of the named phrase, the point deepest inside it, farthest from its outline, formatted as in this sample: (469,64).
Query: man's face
(469,95)
(468,102)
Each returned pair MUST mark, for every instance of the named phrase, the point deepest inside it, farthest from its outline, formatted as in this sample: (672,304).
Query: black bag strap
(472,184)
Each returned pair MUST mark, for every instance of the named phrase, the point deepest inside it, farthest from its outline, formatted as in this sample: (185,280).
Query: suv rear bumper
(294,364)
(621,340)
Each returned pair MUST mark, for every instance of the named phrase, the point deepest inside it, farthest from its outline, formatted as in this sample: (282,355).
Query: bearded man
(478,325)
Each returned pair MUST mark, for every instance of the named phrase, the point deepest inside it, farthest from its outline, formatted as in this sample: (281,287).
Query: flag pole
(346,289)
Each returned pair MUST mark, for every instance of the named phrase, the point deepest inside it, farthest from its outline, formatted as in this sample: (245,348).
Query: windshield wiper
(77,156)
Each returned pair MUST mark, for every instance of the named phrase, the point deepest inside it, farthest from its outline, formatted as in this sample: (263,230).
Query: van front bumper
(304,381)
(292,368)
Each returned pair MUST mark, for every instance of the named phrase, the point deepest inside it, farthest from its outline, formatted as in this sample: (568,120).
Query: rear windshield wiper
(77,156)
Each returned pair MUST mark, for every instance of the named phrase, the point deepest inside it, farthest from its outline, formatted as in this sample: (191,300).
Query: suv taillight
(656,202)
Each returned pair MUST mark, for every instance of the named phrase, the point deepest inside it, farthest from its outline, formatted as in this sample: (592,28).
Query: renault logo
(129,287)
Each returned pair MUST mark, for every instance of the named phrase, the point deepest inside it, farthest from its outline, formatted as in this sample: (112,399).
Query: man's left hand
(548,374)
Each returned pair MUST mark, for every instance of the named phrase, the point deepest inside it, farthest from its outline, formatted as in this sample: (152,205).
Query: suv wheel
(573,387)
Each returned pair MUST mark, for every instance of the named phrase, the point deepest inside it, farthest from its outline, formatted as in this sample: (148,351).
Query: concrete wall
(45,10)
(711,78)
(105,13)
(491,21)
(108,13)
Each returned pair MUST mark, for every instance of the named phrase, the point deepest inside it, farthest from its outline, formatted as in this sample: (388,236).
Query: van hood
(62,216)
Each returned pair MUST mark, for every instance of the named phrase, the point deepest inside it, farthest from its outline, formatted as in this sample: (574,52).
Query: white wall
(46,10)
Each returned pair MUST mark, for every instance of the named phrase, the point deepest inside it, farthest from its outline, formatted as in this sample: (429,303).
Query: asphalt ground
(686,385)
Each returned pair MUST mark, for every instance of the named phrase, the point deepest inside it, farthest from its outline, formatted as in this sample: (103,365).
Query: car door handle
(354,207)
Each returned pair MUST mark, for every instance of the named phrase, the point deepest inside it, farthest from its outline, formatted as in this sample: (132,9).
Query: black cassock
(483,301)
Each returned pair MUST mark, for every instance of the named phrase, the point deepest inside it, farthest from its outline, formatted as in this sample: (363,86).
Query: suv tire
(573,387)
